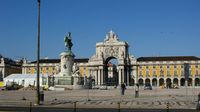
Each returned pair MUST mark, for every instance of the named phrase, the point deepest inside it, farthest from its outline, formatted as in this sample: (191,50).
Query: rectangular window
(147,72)
(182,66)
(140,72)
(175,72)
(167,66)
(168,72)
(154,72)
(182,72)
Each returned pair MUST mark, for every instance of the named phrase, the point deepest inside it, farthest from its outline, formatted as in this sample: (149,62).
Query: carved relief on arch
(112,51)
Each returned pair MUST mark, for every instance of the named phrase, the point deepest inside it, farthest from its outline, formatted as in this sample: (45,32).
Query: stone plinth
(65,76)
(67,61)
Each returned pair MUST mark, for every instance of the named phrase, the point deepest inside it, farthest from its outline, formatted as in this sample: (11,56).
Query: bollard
(118,106)
(74,106)
(198,102)
(30,106)
(167,106)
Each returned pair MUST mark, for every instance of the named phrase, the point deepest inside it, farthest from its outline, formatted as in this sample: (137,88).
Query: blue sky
(151,27)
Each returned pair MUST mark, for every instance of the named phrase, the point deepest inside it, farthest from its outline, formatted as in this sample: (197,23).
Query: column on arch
(99,76)
(96,77)
(127,76)
(120,76)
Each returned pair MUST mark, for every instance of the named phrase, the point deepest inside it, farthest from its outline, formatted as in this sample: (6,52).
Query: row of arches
(168,82)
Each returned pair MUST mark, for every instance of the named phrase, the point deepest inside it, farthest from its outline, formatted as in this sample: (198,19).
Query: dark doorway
(168,83)
(161,82)
(147,81)
(182,82)
(175,82)
(141,83)
(154,82)
(197,83)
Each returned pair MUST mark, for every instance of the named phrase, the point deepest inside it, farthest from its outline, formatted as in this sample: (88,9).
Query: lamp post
(89,82)
(38,56)
(84,78)
(137,83)
(186,74)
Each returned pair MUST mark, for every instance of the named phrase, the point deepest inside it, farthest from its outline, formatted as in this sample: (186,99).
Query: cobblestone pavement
(111,98)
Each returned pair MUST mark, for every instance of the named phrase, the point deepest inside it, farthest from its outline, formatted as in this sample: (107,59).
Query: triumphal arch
(112,48)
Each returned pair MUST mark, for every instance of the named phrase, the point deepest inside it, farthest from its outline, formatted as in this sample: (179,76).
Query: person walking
(137,90)
(123,87)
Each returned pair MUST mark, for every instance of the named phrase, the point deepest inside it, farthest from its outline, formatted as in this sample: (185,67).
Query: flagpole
(38,56)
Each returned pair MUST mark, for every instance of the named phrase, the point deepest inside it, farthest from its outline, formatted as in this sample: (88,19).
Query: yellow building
(168,71)
(158,71)
(51,67)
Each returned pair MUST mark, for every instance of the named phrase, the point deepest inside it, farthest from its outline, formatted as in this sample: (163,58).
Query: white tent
(26,79)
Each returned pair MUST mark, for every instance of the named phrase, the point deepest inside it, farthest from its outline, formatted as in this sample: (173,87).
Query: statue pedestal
(66,63)
(65,79)
(64,82)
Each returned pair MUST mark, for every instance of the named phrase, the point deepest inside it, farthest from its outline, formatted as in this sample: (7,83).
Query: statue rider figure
(68,41)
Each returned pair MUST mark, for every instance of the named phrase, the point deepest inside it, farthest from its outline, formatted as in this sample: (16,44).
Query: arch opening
(154,82)
(168,83)
(111,72)
(197,83)
(161,82)
(182,82)
(175,82)
(141,83)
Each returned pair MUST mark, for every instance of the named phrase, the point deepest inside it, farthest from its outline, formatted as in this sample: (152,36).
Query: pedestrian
(137,91)
(123,87)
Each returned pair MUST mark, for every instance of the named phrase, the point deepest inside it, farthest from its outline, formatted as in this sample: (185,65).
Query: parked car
(147,86)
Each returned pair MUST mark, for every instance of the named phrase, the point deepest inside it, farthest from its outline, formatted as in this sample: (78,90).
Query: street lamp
(84,77)
(38,56)
(89,82)
(137,83)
